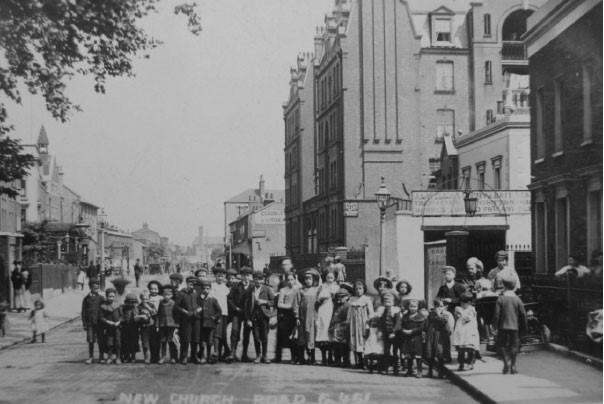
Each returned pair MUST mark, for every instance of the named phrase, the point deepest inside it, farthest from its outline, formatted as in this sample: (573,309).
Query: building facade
(391,80)
(564,43)
(258,235)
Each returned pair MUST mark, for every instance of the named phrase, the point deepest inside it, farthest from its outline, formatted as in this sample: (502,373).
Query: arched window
(515,25)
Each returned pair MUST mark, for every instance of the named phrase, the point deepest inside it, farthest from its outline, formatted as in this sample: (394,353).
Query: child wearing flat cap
(389,324)
(129,324)
(210,316)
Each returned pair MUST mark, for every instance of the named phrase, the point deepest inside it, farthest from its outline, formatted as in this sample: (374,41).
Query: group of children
(390,330)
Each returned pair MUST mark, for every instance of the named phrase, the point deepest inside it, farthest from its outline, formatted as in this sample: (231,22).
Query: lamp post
(102,217)
(382,197)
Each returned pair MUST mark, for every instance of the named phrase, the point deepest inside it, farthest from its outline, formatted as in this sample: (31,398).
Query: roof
(42,137)
(244,197)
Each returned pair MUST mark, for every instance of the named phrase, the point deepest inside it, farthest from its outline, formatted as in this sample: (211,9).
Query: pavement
(545,376)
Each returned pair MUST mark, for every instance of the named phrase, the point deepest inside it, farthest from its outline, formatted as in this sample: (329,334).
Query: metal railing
(513,50)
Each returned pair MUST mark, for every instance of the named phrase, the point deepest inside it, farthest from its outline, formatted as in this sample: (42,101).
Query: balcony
(513,51)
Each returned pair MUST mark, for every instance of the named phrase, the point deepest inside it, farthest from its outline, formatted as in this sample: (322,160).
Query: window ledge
(490,83)
(587,143)
(558,154)
(399,141)
(376,141)
(444,91)
(541,160)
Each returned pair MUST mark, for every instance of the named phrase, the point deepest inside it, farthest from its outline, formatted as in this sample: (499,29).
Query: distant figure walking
(18,288)
(138,271)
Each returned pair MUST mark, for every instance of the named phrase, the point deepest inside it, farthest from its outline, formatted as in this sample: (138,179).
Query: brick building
(564,43)
(391,79)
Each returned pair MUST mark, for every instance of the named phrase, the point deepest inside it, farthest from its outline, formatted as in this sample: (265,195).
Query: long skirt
(285,326)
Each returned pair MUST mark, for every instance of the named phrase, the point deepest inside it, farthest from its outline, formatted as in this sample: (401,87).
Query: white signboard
(351,209)
(492,203)
(270,217)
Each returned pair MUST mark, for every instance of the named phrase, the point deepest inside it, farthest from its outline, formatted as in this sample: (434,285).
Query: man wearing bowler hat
(257,312)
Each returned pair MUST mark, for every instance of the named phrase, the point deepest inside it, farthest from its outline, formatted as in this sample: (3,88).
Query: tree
(43,44)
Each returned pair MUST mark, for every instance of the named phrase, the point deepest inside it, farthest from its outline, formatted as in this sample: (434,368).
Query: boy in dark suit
(91,314)
(236,298)
(186,306)
(509,320)
(450,293)
(257,312)
(210,314)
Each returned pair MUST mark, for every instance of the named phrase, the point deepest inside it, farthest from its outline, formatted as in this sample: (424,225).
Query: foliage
(155,252)
(13,162)
(44,44)
(37,243)
(216,253)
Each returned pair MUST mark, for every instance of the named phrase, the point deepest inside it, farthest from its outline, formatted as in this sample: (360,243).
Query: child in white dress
(39,322)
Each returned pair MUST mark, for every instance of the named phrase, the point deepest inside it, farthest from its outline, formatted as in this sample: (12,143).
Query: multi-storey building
(298,117)
(391,79)
(564,43)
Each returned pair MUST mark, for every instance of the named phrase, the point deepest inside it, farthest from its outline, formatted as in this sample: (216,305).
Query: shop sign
(351,209)
(489,203)
(270,216)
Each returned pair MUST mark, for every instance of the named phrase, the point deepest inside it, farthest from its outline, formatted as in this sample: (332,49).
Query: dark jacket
(165,314)
(412,343)
(91,309)
(110,312)
(16,278)
(236,298)
(250,304)
(186,306)
(509,313)
(138,269)
(210,311)
(452,293)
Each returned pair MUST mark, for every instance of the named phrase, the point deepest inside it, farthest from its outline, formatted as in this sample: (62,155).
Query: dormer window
(441,21)
(442,30)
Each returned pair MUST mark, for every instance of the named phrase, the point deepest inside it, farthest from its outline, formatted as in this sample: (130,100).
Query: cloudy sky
(198,124)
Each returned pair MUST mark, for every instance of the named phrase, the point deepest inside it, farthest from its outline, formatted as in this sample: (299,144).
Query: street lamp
(469,201)
(382,197)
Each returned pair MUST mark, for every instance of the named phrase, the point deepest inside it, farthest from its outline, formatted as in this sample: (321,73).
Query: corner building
(391,79)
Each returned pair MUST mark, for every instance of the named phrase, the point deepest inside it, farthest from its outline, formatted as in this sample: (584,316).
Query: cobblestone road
(54,372)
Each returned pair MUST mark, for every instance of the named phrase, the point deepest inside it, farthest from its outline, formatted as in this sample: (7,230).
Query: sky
(200,122)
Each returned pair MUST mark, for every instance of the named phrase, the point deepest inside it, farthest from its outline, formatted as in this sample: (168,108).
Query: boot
(147,356)
(257,349)
(504,357)
(323,357)
(359,360)
(162,358)
(430,368)
(33,339)
(117,356)
(244,357)
(409,364)
(234,344)
(418,362)
(441,365)
(43,337)
(470,360)
(194,353)
(461,359)
(396,366)
(311,356)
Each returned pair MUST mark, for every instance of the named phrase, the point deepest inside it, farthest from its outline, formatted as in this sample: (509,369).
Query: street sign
(351,209)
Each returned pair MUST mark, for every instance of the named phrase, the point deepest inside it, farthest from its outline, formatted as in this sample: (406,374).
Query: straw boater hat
(501,254)
(381,279)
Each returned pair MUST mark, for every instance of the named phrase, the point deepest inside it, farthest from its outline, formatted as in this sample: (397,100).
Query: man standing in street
(236,298)
(257,312)
(138,271)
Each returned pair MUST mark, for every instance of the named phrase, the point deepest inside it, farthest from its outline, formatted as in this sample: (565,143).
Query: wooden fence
(52,277)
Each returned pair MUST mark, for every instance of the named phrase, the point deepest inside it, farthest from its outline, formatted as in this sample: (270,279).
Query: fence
(563,304)
(50,278)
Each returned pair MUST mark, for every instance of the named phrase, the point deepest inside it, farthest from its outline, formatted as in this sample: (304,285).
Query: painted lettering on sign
(270,216)
(351,209)
(489,203)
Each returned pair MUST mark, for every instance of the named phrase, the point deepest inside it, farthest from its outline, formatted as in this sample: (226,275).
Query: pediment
(443,10)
